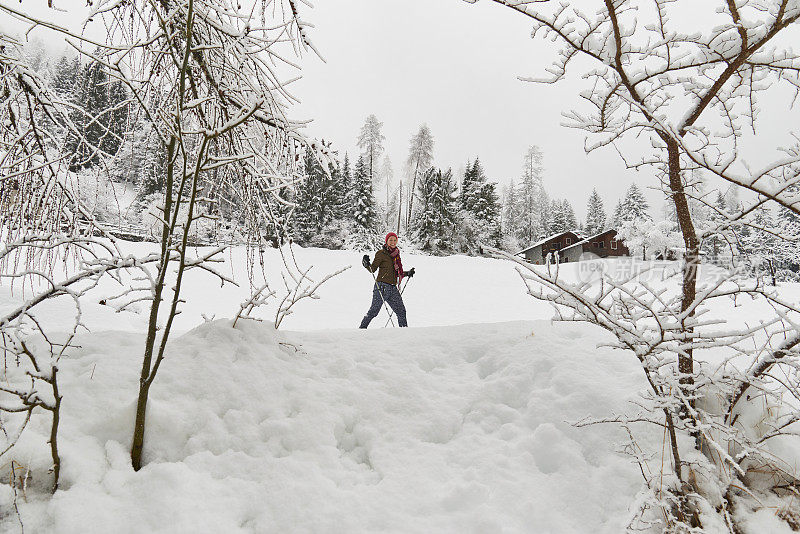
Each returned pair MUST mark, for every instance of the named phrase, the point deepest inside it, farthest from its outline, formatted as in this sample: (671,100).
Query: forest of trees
(443,213)
(349,202)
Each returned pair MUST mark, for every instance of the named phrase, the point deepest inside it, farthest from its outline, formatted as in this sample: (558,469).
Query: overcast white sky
(454,66)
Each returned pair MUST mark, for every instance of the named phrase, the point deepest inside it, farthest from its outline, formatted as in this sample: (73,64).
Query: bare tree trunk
(145,379)
(400,206)
(56,414)
(691,259)
(411,195)
(138,429)
(152,325)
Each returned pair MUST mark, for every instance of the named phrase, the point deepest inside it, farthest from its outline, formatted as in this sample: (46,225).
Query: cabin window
(613,245)
(568,240)
(601,244)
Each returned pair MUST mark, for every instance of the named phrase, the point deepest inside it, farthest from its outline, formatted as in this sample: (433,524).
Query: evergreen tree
(305,192)
(558,221)
(141,159)
(715,244)
(595,215)
(479,207)
(65,76)
(545,213)
(789,245)
(435,223)
(760,246)
(344,208)
(365,215)
(471,186)
(616,220)
(103,116)
(511,217)
(570,222)
(634,218)
(336,189)
(732,199)
(487,211)
(634,205)
(486,205)
(467,189)
(316,202)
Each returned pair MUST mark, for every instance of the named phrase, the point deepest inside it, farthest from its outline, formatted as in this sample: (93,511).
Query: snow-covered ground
(458,424)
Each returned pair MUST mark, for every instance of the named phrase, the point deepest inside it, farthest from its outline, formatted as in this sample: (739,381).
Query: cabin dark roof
(588,239)
(543,241)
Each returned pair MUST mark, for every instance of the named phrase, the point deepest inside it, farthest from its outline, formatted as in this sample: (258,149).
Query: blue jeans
(381,292)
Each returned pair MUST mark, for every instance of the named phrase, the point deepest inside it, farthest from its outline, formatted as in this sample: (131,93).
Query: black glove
(410,272)
(365,261)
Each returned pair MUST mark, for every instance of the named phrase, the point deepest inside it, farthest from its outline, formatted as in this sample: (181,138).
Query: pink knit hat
(390,234)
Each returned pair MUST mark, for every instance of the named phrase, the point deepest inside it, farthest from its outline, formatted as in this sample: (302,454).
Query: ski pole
(401,294)
(385,305)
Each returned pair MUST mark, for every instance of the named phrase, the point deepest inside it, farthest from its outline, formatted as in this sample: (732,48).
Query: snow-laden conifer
(595,214)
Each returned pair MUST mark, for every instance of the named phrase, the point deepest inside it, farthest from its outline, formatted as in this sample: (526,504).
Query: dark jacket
(384,264)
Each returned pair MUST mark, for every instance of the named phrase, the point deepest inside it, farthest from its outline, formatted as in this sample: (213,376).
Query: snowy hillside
(457,429)
(458,424)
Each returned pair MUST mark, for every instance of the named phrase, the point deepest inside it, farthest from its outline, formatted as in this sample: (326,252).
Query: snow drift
(445,429)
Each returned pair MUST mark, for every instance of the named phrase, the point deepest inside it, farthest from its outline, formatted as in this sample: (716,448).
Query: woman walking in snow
(390,273)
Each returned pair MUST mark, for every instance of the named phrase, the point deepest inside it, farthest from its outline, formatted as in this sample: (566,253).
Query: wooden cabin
(537,253)
(602,245)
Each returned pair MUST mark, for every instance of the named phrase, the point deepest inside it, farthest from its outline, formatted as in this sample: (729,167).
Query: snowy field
(460,424)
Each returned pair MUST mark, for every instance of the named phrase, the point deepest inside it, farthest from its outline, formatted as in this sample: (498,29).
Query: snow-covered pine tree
(65,76)
(317,202)
(557,221)
(364,214)
(471,187)
(344,208)
(436,220)
(141,159)
(336,190)
(732,199)
(759,246)
(420,159)
(595,214)
(479,210)
(718,244)
(616,219)
(634,205)
(570,221)
(469,181)
(307,196)
(487,211)
(789,245)
(633,214)
(101,115)
(545,225)
(486,206)
(510,220)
